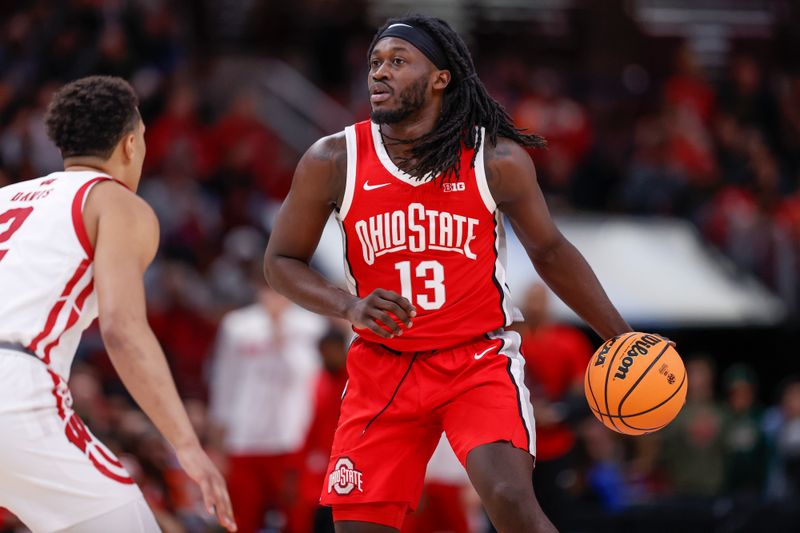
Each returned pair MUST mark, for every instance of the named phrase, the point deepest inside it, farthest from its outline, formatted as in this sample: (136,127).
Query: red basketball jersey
(442,246)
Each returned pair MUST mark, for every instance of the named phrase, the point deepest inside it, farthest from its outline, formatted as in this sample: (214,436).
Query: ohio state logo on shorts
(344,477)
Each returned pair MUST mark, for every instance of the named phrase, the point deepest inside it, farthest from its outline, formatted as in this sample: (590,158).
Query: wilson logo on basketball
(344,477)
(640,347)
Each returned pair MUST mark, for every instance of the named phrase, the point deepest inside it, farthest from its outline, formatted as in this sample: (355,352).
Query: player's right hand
(215,493)
(373,313)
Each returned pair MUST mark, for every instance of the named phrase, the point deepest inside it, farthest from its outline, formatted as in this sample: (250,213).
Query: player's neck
(87,163)
(95,164)
(414,127)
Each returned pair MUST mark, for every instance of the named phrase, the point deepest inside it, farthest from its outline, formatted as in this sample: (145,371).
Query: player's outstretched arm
(317,189)
(126,232)
(512,182)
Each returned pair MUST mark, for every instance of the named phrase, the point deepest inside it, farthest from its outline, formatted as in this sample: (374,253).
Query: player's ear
(129,146)
(441,79)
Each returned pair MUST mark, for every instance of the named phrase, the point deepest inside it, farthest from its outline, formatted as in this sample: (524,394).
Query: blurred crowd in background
(644,130)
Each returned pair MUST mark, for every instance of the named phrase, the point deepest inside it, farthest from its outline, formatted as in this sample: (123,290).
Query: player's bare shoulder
(323,168)
(112,199)
(113,196)
(509,169)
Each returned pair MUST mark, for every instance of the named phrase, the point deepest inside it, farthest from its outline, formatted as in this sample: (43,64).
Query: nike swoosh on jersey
(479,355)
(368,187)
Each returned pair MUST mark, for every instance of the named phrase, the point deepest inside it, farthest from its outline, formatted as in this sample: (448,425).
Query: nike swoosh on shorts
(479,355)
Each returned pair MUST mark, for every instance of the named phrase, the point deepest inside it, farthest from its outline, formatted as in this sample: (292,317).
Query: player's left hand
(215,493)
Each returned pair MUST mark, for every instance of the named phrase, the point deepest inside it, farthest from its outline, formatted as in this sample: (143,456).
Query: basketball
(636,383)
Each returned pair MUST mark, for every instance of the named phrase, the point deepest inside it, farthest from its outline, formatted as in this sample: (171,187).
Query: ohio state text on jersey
(442,246)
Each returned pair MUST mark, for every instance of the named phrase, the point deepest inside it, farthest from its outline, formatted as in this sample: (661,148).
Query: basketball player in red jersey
(420,192)
(74,245)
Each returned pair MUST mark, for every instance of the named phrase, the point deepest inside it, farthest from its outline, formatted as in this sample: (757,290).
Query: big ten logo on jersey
(344,477)
(454,187)
(416,229)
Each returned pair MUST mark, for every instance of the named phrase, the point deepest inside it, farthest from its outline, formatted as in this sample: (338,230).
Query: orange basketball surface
(636,383)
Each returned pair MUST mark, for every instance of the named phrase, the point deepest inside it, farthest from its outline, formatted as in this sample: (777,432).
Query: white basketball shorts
(54,474)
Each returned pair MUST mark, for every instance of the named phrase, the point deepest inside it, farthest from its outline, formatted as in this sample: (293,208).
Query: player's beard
(412,99)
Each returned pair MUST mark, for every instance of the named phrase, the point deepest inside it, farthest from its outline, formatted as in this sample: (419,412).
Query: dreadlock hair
(466,104)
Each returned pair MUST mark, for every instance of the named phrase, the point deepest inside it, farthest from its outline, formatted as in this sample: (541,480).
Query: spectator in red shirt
(246,148)
(687,87)
(556,356)
(178,124)
(564,122)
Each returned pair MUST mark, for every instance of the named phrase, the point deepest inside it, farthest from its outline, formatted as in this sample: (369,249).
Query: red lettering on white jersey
(46,272)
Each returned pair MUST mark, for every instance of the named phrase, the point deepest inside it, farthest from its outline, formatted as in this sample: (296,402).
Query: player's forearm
(565,271)
(307,287)
(142,367)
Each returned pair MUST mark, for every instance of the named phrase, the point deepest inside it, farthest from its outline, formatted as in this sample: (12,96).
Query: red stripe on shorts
(126,480)
(107,457)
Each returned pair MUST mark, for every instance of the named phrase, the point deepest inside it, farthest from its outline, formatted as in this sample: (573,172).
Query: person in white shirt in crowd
(261,399)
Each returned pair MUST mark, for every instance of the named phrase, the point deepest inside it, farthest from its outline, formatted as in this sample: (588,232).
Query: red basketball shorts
(396,406)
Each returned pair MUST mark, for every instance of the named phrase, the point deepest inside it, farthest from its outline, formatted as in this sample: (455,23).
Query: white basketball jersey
(47,293)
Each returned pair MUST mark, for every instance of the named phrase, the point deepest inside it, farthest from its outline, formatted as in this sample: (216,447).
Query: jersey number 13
(432,273)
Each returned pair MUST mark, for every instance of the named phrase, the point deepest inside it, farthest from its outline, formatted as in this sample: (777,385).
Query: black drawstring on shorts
(385,407)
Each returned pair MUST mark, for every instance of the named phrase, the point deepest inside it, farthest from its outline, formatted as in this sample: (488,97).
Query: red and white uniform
(442,246)
(261,392)
(55,472)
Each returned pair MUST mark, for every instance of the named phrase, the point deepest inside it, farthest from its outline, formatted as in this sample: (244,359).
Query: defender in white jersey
(74,245)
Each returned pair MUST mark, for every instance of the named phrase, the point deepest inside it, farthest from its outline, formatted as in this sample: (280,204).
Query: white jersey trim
(348,273)
(480,176)
(387,162)
(516,368)
(500,267)
(352,162)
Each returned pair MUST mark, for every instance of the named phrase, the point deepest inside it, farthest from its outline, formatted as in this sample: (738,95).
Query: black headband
(421,39)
